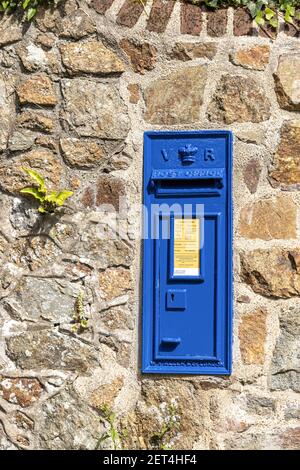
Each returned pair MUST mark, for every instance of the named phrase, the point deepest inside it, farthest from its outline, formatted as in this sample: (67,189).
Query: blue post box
(187,256)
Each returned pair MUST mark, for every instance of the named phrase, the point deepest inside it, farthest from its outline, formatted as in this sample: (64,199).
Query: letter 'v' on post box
(187,256)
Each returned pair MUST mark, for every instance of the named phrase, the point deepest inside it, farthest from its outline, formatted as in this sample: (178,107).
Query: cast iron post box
(187,258)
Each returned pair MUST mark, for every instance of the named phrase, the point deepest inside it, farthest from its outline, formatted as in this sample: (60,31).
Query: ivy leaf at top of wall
(28,7)
(49,202)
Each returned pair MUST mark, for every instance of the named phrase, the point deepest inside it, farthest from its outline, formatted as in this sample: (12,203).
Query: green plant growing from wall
(161,440)
(49,201)
(29,7)
(112,432)
(81,322)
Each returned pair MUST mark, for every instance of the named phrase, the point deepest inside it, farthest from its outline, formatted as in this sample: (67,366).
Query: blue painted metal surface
(187,313)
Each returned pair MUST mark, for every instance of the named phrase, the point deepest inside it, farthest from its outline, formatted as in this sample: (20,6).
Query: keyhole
(172,297)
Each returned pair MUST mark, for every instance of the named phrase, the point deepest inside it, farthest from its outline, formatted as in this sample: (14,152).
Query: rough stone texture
(176,98)
(6,108)
(37,90)
(101,5)
(239,99)
(13,178)
(217,22)
(285,368)
(191,19)
(130,13)
(35,121)
(95,109)
(159,16)
(287,82)
(21,391)
(91,86)
(242,23)
(114,282)
(142,55)
(269,219)
(10,30)
(90,57)
(50,350)
(81,154)
(273,273)
(286,164)
(252,174)
(69,423)
(256,57)
(252,336)
(190,51)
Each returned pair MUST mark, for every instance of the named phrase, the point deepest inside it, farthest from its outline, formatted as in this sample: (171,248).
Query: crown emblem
(188,153)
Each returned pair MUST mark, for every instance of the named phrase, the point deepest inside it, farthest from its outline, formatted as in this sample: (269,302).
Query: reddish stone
(21,391)
(217,22)
(130,13)
(88,198)
(109,190)
(252,173)
(100,6)
(160,15)
(242,23)
(191,19)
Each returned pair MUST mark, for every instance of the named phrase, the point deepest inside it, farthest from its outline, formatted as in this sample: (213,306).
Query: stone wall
(77,89)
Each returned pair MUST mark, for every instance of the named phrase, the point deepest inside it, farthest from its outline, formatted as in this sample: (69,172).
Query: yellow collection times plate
(186,247)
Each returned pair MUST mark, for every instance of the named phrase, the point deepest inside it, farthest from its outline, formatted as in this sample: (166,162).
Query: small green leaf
(37,178)
(31,13)
(62,196)
(33,192)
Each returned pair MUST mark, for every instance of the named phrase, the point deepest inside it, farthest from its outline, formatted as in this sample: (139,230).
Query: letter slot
(187,253)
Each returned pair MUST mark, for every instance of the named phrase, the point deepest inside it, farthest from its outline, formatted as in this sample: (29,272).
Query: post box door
(187,273)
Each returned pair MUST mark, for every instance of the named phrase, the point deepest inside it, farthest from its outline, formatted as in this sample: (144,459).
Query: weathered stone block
(90,57)
(34,58)
(11,29)
(255,57)
(239,99)
(95,109)
(273,273)
(242,23)
(269,219)
(160,14)
(252,174)
(69,423)
(21,140)
(217,22)
(13,177)
(142,55)
(286,164)
(285,368)
(20,391)
(46,349)
(6,107)
(100,6)
(287,82)
(37,89)
(130,13)
(114,282)
(176,98)
(190,51)
(252,337)
(35,121)
(81,153)
(190,19)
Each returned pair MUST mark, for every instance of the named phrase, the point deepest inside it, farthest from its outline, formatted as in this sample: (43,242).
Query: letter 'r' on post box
(187,255)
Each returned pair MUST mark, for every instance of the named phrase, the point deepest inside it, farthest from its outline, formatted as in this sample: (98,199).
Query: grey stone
(6,108)
(21,140)
(95,109)
(50,350)
(285,368)
(46,299)
(69,423)
(260,405)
